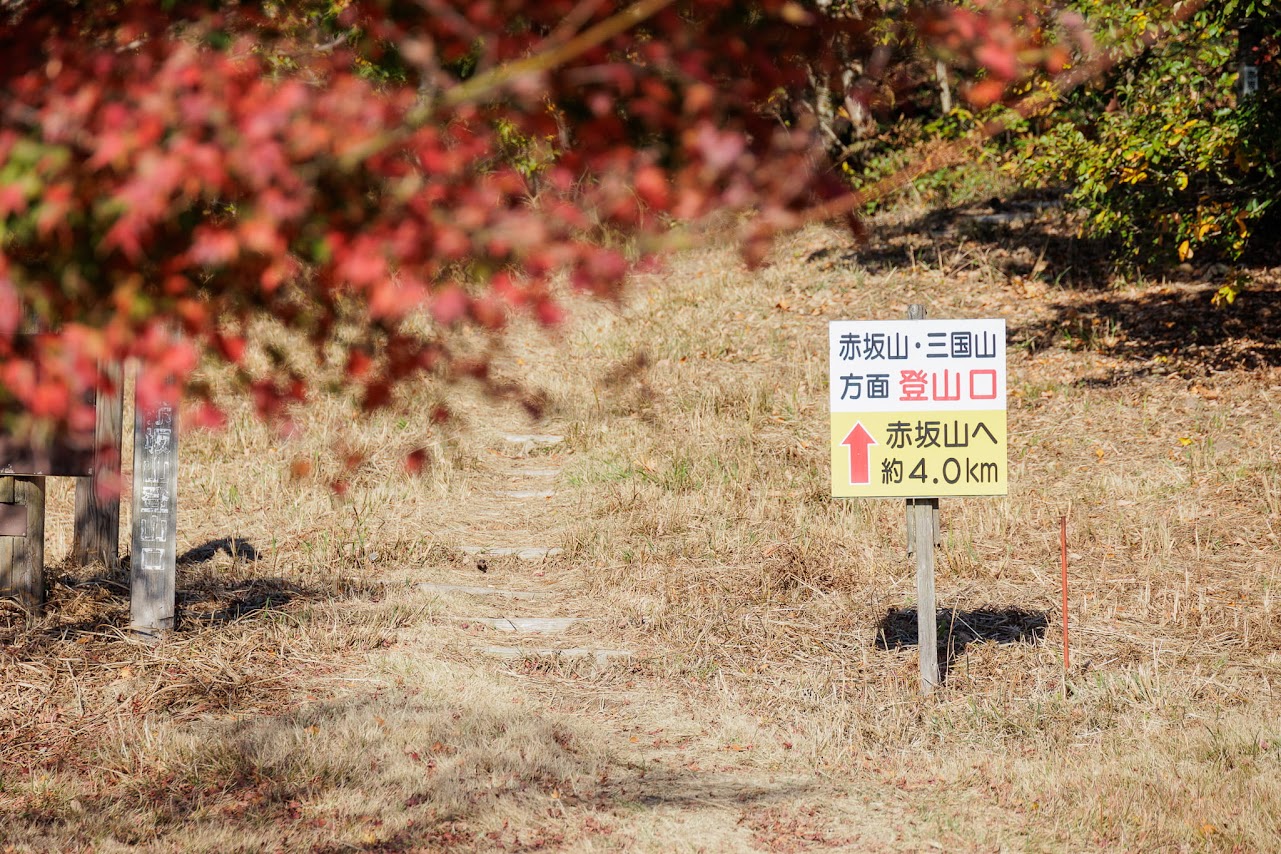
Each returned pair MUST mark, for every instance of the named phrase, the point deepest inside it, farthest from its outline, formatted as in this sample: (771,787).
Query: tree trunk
(945,88)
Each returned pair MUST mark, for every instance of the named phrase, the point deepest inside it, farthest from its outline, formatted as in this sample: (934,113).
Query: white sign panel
(917,408)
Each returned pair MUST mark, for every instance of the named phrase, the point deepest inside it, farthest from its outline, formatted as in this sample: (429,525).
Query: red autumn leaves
(1000,42)
(170,172)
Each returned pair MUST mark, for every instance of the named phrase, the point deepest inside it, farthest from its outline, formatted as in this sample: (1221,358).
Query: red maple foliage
(172,169)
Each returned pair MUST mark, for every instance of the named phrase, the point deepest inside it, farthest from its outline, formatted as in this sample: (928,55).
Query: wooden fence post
(153,568)
(923,534)
(22,557)
(97,525)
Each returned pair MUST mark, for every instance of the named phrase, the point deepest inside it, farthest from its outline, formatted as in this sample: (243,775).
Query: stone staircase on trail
(535,630)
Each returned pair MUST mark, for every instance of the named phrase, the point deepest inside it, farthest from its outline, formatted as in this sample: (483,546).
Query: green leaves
(1178,166)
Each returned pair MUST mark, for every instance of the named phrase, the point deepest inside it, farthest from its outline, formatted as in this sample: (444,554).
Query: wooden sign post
(97,526)
(918,412)
(153,568)
(924,528)
(22,540)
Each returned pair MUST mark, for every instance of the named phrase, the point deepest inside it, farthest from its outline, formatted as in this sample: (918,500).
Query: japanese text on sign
(156,498)
(918,408)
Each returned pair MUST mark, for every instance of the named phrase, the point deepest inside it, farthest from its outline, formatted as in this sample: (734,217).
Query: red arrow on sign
(859,440)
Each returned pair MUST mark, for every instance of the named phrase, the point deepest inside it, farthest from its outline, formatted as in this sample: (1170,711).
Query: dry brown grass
(316,699)
(722,540)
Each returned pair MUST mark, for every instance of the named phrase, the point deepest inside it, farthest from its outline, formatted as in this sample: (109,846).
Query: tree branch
(484,86)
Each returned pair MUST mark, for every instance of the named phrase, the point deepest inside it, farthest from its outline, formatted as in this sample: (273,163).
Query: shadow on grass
(1020,237)
(86,601)
(210,599)
(448,765)
(236,549)
(958,629)
(238,601)
(422,768)
(689,792)
(1167,329)
(1171,326)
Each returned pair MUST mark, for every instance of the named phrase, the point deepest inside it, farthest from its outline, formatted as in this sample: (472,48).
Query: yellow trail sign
(918,408)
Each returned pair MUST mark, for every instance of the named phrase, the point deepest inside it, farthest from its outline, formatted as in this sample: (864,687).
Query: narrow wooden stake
(22,558)
(153,565)
(1063,551)
(97,525)
(923,528)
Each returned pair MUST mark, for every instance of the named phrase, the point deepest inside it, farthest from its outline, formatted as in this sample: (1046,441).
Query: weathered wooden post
(22,539)
(923,530)
(97,523)
(153,567)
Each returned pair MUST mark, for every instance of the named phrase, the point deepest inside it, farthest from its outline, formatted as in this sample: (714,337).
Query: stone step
(433,587)
(522,552)
(602,656)
(545,440)
(544,625)
(525,493)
